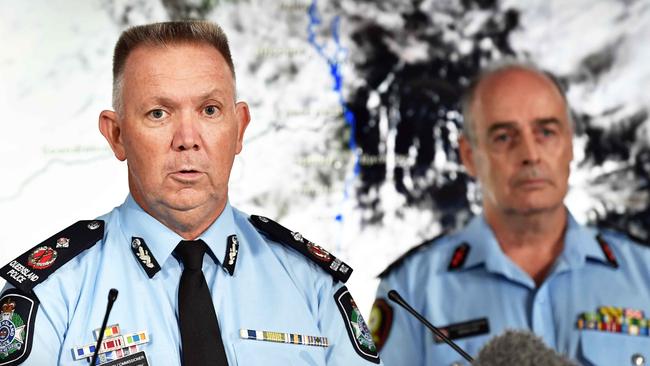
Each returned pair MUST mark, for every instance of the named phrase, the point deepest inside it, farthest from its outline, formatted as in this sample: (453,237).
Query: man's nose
(529,149)
(186,135)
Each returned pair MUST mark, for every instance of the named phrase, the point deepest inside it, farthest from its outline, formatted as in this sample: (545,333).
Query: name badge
(464,329)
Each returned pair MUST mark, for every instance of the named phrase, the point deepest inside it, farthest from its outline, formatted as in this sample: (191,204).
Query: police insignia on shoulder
(355,325)
(116,348)
(16,326)
(380,322)
(35,265)
(332,265)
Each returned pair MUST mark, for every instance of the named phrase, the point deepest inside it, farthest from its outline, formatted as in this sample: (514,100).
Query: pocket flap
(606,348)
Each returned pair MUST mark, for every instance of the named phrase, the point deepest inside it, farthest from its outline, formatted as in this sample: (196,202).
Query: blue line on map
(335,72)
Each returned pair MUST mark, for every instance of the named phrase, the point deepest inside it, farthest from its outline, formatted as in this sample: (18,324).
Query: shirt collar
(580,245)
(485,250)
(162,241)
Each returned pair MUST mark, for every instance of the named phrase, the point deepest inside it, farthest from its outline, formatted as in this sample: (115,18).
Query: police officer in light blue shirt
(199,282)
(523,263)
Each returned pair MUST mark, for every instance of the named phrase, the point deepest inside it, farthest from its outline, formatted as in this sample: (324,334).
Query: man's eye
(500,138)
(547,132)
(210,110)
(157,114)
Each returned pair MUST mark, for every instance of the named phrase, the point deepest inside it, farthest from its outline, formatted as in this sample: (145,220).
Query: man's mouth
(532,183)
(186,175)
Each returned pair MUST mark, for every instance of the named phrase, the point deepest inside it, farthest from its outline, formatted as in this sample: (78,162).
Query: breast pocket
(607,349)
(251,352)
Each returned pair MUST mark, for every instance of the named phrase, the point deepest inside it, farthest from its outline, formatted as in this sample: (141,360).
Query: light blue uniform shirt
(273,288)
(489,285)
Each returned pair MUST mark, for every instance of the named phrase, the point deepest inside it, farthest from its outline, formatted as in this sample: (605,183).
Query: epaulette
(332,265)
(35,265)
(396,263)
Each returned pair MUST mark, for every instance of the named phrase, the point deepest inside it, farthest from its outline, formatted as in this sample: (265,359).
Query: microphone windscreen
(518,347)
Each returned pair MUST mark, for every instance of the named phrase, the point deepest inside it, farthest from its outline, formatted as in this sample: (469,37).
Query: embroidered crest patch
(356,326)
(16,326)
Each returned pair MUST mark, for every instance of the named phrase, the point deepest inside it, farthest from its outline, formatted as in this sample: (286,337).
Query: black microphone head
(394,295)
(112,295)
(519,347)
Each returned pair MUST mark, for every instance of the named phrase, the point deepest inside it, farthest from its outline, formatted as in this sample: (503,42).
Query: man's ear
(243,117)
(111,129)
(467,155)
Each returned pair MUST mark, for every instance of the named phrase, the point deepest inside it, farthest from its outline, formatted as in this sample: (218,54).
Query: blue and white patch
(355,325)
(17,315)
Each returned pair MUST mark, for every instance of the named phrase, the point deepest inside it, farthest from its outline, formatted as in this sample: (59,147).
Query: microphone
(521,348)
(112,296)
(394,296)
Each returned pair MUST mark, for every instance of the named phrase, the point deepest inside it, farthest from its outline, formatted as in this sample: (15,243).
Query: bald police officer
(524,262)
(200,283)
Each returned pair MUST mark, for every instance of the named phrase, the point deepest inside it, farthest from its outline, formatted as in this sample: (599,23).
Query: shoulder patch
(332,265)
(356,326)
(398,262)
(16,326)
(380,322)
(35,265)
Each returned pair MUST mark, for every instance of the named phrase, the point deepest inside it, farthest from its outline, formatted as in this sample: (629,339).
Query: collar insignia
(230,259)
(142,253)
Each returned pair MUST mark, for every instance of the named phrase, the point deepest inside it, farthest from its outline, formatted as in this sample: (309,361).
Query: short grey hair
(468,96)
(163,35)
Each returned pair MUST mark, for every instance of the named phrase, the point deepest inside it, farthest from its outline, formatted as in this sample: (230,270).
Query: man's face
(523,146)
(179,128)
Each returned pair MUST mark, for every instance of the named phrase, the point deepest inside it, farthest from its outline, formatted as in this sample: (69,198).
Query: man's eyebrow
(161,100)
(500,125)
(212,93)
(547,121)
(164,100)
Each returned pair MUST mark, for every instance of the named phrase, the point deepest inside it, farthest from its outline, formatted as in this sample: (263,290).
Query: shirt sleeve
(350,341)
(41,343)
(397,333)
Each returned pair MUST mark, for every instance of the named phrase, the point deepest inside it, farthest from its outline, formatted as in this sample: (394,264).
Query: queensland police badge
(17,313)
(12,329)
(355,325)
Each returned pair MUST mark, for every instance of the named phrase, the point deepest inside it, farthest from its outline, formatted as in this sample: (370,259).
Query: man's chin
(533,209)
(187,201)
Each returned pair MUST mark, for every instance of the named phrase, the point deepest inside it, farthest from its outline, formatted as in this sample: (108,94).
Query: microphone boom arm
(395,297)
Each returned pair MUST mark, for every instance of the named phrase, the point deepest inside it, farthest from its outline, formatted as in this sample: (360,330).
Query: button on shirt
(489,285)
(272,288)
